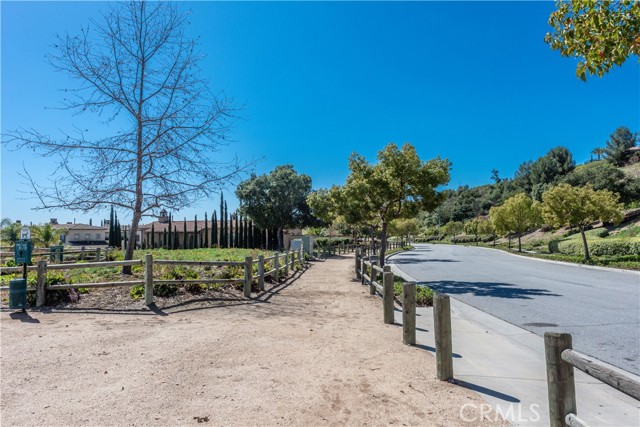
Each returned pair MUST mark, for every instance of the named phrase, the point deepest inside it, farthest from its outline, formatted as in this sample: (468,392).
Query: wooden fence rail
(561,360)
(289,260)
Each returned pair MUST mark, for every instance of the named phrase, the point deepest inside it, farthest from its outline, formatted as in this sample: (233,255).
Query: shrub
(553,246)
(602,233)
(195,288)
(164,290)
(424,295)
(609,247)
(10,263)
(136,292)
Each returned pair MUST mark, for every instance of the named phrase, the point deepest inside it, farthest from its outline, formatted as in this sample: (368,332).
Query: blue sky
(473,82)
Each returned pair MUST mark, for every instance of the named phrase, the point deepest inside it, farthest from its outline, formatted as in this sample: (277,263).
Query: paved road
(599,308)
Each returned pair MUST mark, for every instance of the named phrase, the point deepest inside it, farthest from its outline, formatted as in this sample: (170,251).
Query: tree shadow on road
(486,289)
(417,261)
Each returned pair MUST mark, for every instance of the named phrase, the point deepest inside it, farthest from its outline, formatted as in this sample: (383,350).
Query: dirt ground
(311,352)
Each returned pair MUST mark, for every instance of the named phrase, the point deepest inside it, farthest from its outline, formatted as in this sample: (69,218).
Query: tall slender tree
(153,236)
(195,232)
(170,230)
(185,238)
(226,226)
(176,238)
(214,226)
(206,231)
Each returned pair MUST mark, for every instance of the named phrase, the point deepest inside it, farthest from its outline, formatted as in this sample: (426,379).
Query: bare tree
(137,69)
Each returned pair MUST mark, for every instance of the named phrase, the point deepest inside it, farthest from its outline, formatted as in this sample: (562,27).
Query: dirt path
(312,353)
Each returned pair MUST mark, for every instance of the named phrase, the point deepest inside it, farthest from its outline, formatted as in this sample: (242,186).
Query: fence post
(277,268)
(374,276)
(442,326)
(363,270)
(388,295)
(148,279)
(357,257)
(560,383)
(261,272)
(98,253)
(409,313)
(286,264)
(82,252)
(41,295)
(248,275)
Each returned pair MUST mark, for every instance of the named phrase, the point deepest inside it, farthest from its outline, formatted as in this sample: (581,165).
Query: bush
(608,247)
(553,246)
(195,288)
(602,233)
(164,290)
(334,241)
(136,292)
(10,263)
(424,295)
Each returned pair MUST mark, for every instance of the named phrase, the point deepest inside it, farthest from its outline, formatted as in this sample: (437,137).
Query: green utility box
(22,252)
(55,253)
(18,293)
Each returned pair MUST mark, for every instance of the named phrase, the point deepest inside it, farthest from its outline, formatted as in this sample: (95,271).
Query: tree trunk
(280,235)
(519,241)
(509,241)
(383,246)
(586,246)
(128,255)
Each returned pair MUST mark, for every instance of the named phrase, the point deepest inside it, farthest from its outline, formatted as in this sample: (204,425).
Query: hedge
(603,247)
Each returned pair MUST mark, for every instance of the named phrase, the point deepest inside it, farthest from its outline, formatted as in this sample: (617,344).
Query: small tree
(522,213)
(472,228)
(398,186)
(486,227)
(598,151)
(565,205)
(404,228)
(454,228)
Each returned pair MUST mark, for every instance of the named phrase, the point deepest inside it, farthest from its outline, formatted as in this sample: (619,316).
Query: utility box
(22,252)
(55,253)
(18,293)
(296,245)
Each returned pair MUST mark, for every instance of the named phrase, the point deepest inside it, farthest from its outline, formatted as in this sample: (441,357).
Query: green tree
(617,149)
(486,227)
(500,222)
(600,33)
(46,235)
(523,213)
(323,205)
(564,205)
(398,186)
(605,176)
(276,200)
(404,228)
(10,231)
(453,229)
(472,228)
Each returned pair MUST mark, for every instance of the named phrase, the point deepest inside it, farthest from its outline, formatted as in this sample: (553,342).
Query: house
(81,234)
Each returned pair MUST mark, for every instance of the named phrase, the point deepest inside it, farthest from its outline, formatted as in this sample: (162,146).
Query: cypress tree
(206,231)
(153,235)
(237,236)
(112,235)
(165,242)
(221,221)
(170,229)
(118,233)
(214,231)
(125,238)
(246,234)
(184,238)
(240,232)
(195,232)
(251,231)
(226,226)
(176,239)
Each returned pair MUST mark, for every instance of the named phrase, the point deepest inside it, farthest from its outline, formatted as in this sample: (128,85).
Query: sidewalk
(311,352)
(506,365)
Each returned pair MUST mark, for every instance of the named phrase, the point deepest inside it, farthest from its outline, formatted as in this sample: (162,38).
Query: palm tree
(46,235)
(598,152)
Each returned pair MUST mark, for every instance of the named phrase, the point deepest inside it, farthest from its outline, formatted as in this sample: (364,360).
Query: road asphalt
(506,364)
(599,307)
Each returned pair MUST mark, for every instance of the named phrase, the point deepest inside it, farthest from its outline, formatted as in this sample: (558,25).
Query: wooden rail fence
(270,266)
(561,360)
